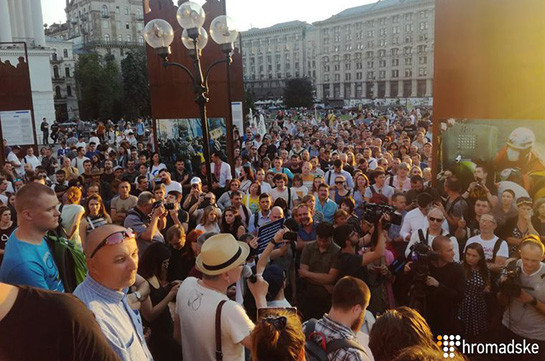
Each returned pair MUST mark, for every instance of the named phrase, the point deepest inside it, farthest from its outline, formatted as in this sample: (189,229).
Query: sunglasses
(433,219)
(114,238)
(339,182)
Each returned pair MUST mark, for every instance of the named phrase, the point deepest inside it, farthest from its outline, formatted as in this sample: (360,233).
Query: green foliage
(134,70)
(298,93)
(99,86)
(106,93)
(249,102)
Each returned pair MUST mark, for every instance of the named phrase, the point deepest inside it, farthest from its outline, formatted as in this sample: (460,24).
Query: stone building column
(387,89)
(429,87)
(38,23)
(5,23)
(19,20)
(414,85)
(27,20)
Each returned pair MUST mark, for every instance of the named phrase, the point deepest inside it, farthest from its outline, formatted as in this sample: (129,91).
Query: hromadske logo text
(450,343)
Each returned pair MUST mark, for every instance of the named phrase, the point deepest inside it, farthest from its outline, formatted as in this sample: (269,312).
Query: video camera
(421,256)
(511,286)
(372,213)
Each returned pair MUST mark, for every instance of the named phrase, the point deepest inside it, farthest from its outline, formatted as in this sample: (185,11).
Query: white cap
(195,180)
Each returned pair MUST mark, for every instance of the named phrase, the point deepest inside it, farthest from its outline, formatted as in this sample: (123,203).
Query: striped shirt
(121,325)
(333,331)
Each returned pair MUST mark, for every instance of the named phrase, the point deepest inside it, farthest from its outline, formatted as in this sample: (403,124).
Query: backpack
(69,259)
(319,351)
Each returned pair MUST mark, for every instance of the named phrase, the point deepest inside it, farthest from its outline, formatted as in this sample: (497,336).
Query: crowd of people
(374,258)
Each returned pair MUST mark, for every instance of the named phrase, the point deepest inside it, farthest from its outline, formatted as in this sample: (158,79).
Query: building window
(408,73)
(337,67)
(423,25)
(67,72)
(382,74)
(128,38)
(409,61)
(347,66)
(117,10)
(337,77)
(105,24)
(395,29)
(370,75)
(370,64)
(326,78)
(408,27)
(141,40)
(65,53)
(120,37)
(395,62)
(57,91)
(127,26)
(348,76)
(107,38)
(358,75)
(105,11)
(56,72)
(395,73)
(422,72)
(382,63)
(423,60)
(126,11)
(69,90)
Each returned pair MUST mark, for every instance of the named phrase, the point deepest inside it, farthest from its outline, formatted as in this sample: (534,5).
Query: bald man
(426,235)
(112,258)
(27,258)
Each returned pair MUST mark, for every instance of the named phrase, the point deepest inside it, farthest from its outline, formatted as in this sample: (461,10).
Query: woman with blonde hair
(209,220)
(71,213)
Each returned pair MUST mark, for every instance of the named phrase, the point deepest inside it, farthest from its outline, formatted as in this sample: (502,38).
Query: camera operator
(146,219)
(445,287)
(176,215)
(205,200)
(523,291)
(426,235)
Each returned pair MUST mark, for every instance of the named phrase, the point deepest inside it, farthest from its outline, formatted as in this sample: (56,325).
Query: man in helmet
(519,153)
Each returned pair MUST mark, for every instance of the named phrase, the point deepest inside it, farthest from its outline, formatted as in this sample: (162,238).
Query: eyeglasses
(279,322)
(433,219)
(114,238)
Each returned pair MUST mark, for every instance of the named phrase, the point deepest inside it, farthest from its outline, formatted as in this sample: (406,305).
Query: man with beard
(345,318)
(349,262)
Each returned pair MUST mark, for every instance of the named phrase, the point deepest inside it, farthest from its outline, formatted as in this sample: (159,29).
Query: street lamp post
(159,34)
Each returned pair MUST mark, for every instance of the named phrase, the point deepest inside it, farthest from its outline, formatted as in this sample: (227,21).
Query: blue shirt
(328,209)
(121,325)
(28,264)
(307,236)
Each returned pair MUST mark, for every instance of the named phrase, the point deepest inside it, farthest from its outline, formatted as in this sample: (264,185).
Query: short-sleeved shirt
(328,209)
(350,265)
(139,223)
(196,307)
(488,247)
(123,205)
(307,236)
(29,264)
(386,191)
(317,261)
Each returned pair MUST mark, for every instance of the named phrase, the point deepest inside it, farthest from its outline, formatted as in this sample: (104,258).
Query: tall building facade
(63,66)
(273,55)
(380,50)
(109,27)
(22,21)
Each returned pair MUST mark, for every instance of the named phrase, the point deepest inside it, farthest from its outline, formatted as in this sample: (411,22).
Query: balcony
(56,59)
(112,44)
(58,80)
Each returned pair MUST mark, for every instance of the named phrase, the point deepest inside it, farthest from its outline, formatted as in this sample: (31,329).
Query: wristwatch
(138,295)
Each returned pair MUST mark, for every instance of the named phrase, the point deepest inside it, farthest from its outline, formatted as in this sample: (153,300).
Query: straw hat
(221,253)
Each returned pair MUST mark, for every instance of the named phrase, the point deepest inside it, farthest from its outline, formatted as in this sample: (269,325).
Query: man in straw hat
(221,261)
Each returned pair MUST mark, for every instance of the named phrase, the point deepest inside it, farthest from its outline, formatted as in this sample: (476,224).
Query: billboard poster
(512,151)
(182,139)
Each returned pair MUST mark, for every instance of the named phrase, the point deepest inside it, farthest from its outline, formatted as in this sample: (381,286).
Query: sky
(247,13)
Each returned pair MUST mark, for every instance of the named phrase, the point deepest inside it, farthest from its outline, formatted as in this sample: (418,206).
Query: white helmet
(521,139)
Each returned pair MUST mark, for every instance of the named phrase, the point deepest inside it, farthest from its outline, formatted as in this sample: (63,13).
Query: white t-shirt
(275,194)
(488,247)
(196,306)
(32,160)
(173,186)
(17,165)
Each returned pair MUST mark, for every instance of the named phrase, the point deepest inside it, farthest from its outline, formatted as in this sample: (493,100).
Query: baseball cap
(195,180)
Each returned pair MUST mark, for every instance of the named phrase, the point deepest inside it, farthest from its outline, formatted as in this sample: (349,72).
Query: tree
(249,102)
(98,81)
(136,97)
(298,93)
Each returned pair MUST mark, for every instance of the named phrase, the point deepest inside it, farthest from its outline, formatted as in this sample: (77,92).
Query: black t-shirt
(5,233)
(44,325)
(350,265)
(179,265)
(183,217)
